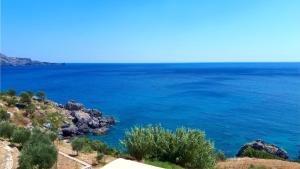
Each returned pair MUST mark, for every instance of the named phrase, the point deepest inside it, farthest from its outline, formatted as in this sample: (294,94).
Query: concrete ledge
(121,163)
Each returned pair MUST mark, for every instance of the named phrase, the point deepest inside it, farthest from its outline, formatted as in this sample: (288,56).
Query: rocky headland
(262,146)
(16,61)
(84,120)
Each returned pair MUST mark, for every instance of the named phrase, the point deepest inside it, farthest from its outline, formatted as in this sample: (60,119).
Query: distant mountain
(15,61)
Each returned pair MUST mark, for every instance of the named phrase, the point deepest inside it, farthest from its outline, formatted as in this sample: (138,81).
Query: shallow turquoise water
(232,102)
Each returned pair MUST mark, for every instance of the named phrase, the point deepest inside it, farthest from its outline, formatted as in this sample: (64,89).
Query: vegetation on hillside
(184,147)
(250,152)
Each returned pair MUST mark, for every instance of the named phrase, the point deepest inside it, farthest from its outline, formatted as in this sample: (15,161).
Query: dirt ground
(244,163)
(89,158)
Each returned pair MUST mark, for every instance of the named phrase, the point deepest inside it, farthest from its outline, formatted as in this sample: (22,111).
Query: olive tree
(38,155)
(39,152)
(78,144)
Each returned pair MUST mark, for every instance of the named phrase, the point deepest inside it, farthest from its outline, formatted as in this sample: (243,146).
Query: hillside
(15,61)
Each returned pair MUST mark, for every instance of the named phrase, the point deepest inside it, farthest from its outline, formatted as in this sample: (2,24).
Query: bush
(39,136)
(11,102)
(4,116)
(55,119)
(220,156)
(39,152)
(41,95)
(52,135)
(6,130)
(38,155)
(25,97)
(21,135)
(184,147)
(78,143)
(30,109)
(250,152)
(11,92)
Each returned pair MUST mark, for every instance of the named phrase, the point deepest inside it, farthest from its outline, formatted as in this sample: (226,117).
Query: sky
(150,31)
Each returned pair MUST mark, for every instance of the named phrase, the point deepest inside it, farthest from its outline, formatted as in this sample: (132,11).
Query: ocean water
(233,103)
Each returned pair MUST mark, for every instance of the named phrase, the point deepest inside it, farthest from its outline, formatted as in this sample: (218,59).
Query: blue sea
(234,103)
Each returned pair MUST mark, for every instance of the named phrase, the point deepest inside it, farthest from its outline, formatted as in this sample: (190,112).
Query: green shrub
(250,152)
(39,136)
(39,152)
(55,119)
(4,116)
(21,135)
(38,155)
(11,102)
(41,95)
(220,156)
(30,110)
(78,143)
(52,135)
(6,129)
(184,147)
(11,92)
(25,97)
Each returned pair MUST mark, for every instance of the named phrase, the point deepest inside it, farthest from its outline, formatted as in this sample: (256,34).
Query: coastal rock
(100,131)
(83,128)
(69,131)
(262,146)
(93,112)
(73,106)
(94,123)
(81,117)
(84,120)
(108,120)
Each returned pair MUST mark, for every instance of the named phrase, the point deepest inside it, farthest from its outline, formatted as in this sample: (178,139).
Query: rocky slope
(14,61)
(84,120)
(70,120)
(260,145)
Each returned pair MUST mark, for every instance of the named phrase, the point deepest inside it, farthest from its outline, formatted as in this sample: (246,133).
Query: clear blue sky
(151,30)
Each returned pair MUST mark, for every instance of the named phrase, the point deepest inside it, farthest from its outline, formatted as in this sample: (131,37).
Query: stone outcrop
(73,106)
(262,146)
(85,120)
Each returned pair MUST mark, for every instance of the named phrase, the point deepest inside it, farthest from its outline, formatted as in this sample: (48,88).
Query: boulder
(21,105)
(83,128)
(73,106)
(37,98)
(93,112)
(69,131)
(80,116)
(100,131)
(262,146)
(94,123)
(108,120)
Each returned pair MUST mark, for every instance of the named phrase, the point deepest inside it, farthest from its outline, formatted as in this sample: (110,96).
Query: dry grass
(244,163)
